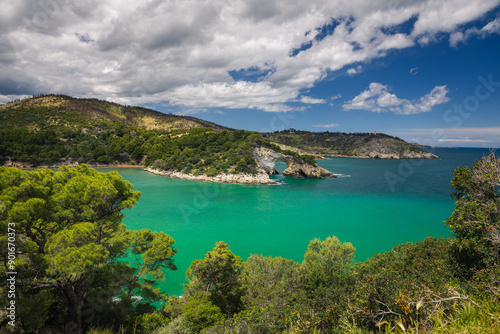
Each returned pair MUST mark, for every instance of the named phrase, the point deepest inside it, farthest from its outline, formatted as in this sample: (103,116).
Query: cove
(374,204)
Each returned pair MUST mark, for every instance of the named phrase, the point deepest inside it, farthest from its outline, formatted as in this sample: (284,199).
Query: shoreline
(418,156)
(261,178)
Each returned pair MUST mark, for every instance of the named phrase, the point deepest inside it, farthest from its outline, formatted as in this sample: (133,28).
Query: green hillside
(53,130)
(54,112)
(360,145)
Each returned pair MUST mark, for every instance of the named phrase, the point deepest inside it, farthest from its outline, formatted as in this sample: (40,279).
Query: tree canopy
(475,221)
(72,247)
(79,266)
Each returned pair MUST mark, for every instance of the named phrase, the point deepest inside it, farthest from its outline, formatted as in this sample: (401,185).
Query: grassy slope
(53,111)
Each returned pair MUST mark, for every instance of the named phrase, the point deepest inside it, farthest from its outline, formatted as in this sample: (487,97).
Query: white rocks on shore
(260,178)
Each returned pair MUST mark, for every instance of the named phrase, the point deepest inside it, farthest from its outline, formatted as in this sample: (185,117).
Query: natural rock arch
(266,160)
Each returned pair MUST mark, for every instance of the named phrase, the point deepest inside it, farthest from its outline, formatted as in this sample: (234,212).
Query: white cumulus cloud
(9,98)
(211,53)
(378,98)
(354,70)
(492,27)
(311,100)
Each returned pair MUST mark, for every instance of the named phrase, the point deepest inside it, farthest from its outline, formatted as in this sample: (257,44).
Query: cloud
(445,16)
(354,70)
(492,27)
(9,98)
(239,95)
(311,100)
(414,71)
(191,111)
(181,51)
(462,140)
(325,125)
(466,136)
(377,98)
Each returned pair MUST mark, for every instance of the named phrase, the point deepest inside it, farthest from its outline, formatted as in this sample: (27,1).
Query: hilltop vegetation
(362,145)
(50,130)
(53,112)
(56,130)
(74,274)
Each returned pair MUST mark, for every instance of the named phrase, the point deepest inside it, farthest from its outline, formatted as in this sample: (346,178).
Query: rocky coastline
(260,178)
(240,178)
(266,161)
(380,155)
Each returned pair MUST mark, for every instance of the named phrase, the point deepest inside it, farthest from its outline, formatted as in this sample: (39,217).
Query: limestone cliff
(266,160)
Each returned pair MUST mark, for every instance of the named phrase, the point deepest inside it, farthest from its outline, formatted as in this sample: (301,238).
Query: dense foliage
(74,270)
(54,129)
(339,143)
(476,222)
(76,262)
(417,287)
(204,152)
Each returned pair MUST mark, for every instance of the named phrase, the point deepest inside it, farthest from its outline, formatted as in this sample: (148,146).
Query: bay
(374,204)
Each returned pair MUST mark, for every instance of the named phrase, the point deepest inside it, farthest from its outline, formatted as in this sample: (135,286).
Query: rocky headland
(266,160)
(349,145)
(392,155)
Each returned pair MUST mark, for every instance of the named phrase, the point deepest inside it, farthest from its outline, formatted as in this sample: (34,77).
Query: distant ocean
(374,204)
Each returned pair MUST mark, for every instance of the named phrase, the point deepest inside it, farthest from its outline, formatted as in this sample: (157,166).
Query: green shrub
(199,312)
(176,326)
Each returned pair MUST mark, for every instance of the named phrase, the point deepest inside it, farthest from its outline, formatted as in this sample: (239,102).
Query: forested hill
(356,145)
(55,112)
(55,130)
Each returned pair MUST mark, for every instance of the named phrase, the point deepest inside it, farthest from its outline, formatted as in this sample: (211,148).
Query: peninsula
(55,130)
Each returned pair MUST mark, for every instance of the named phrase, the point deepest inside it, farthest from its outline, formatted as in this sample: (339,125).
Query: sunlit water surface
(374,204)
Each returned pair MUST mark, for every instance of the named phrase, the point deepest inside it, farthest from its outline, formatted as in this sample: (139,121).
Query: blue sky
(426,71)
(409,74)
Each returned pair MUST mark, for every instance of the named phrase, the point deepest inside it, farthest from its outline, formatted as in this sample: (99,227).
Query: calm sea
(374,204)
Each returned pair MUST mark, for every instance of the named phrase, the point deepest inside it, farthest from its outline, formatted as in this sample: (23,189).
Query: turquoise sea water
(374,204)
